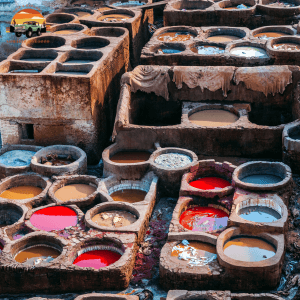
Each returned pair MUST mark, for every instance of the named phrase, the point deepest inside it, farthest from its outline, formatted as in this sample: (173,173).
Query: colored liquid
(208,50)
(168,50)
(240,6)
(246,51)
(175,36)
(81,14)
(24,71)
(74,191)
(295,135)
(69,31)
(97,259)
(1,247)
(30,255)
(71,72)
(222,38)
(16,158)
(54,218)
(114,18)
(129,195)
(249,249)
(213,118)
(37,59)
(259,214)
(130,157)
(21,192)
(79,61)
(269,34)
(262,179)
(210,183)
(287,46)
(204,219)
(114,218)
(129,4)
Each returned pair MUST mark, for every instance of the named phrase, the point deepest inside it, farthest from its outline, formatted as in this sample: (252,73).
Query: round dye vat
(130,157)
(129,195)
(54,218)
(180,36)
(247,51)
(67,31)
(269,35)
(195,253)
(97,259)
(259,214)
(204,219)
(114,218)
(222,38)
(173,160)
(16,158)
(74,191)
(21,192)
(115,18)
(213,118)
(36,254)
(249,249)
(208,50)
(210,183)
(262,179)
(287,46)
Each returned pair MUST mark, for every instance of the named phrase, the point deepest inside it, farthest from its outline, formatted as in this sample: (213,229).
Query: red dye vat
(210,183)
(203,219)
(1,247)
(54,218)
(96,259)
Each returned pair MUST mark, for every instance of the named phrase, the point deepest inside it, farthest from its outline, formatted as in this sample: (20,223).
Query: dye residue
(287,46)
(21,192)
(204,219)
(180,36)
(269,35)
(173,160)
(114,18)
(97,259)
(129,195)
(74,191)
(262,179)
(130,157)
(213,118)
(54,159)
(16,158)
(259,214)
(114,218)
(210,183)
(208,50)
(249,249)
(54,218)
(223,38)
(247,51)
(37,254)
(195,253)
(20,233)
(69,31)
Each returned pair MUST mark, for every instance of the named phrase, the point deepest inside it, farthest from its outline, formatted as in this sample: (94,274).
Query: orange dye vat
(21,192)
(210,183)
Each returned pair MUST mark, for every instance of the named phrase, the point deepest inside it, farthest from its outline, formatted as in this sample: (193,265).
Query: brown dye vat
(74,191)
(223,38)
(130,157)
(287,46)
(213,118)
(69,31)
(81,14)
(21,192)
(129,195)
(249,249)
(175,36)
(30,254)
(269,34)
(115,17)
(114,218)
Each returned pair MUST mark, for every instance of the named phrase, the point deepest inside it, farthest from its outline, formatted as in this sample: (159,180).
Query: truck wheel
(38,32)
(29,33)
(18,34)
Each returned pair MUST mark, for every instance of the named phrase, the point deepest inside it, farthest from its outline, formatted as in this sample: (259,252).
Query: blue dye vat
(170,51)
(16,158)
(259,214)
(262,179)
